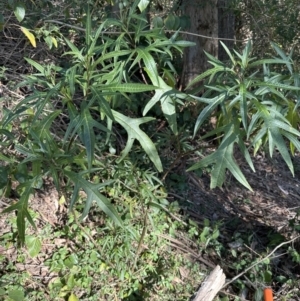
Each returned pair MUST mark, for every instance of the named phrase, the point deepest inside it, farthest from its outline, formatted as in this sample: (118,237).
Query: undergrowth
(106,124)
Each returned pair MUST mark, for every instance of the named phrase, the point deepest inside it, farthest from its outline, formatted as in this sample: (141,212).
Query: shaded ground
(263,215)
(274,200)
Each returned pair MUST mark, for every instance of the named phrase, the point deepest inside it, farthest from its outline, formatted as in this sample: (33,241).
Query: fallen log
(211,285)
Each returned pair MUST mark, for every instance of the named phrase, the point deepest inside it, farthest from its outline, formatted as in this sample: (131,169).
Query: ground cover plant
(104,127)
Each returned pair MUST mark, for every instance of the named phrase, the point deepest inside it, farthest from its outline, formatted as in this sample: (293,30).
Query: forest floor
(253,222)
(251,225)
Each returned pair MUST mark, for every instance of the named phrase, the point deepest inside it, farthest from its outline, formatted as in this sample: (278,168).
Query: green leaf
(221,160)
(88,26)
(16,295)
(149,63)
(246,53)
(183,43)
(267,276)
(207,111)
(19,11)
(277,85)
(258,295)
(34,245)
(275,125)
(134,132)
(73,297)
(229,53)
(93,194)
(75,51)
(156,21)
(71,261)
(129,88)
(113,54)
(287,60)
(170,22)
(36,65)
(83,124)
(276,137)
(103,104)
(71,283)
(243,105)
(167,104)
(43,128)
(212,71)
(143,5)
(266,61)
(88,135)
(22,210)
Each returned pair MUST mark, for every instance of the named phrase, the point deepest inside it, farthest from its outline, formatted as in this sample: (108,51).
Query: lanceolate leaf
(149,63)
(276,137)
(207,111)
(167,104)
(103,104)
(36,65)
(277,85)
(113,54)
(30,36)
(267,61)
(134,132)
(243,106)
(84,125)
(22,210)
(294,119)
(240,134)
(183,43)
(229,53)
(212,71)
(287,60)
(88,135)
(43,128)
(275,125)
(129,88)
(93,194)
(221,160)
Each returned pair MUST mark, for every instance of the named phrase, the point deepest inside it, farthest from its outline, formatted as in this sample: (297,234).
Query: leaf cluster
(254,107)
(75,113)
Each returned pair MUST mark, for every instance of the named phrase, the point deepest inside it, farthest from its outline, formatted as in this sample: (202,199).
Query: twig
(235,296)
(88,235)
(172,166)
(129,188)
(256,263)
(132,32)
(138,251)
(181,246)
(142,73)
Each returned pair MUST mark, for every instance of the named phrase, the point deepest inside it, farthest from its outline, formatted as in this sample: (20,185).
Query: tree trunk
(226,28)
(213,19)
(204,21)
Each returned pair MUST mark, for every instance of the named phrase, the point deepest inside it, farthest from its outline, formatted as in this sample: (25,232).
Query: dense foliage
(95,113)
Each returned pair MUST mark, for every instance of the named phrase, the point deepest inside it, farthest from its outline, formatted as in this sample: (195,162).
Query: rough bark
(226,28)
(204,21)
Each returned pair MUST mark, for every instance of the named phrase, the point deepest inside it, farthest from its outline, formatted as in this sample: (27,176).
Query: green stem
(141,238)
